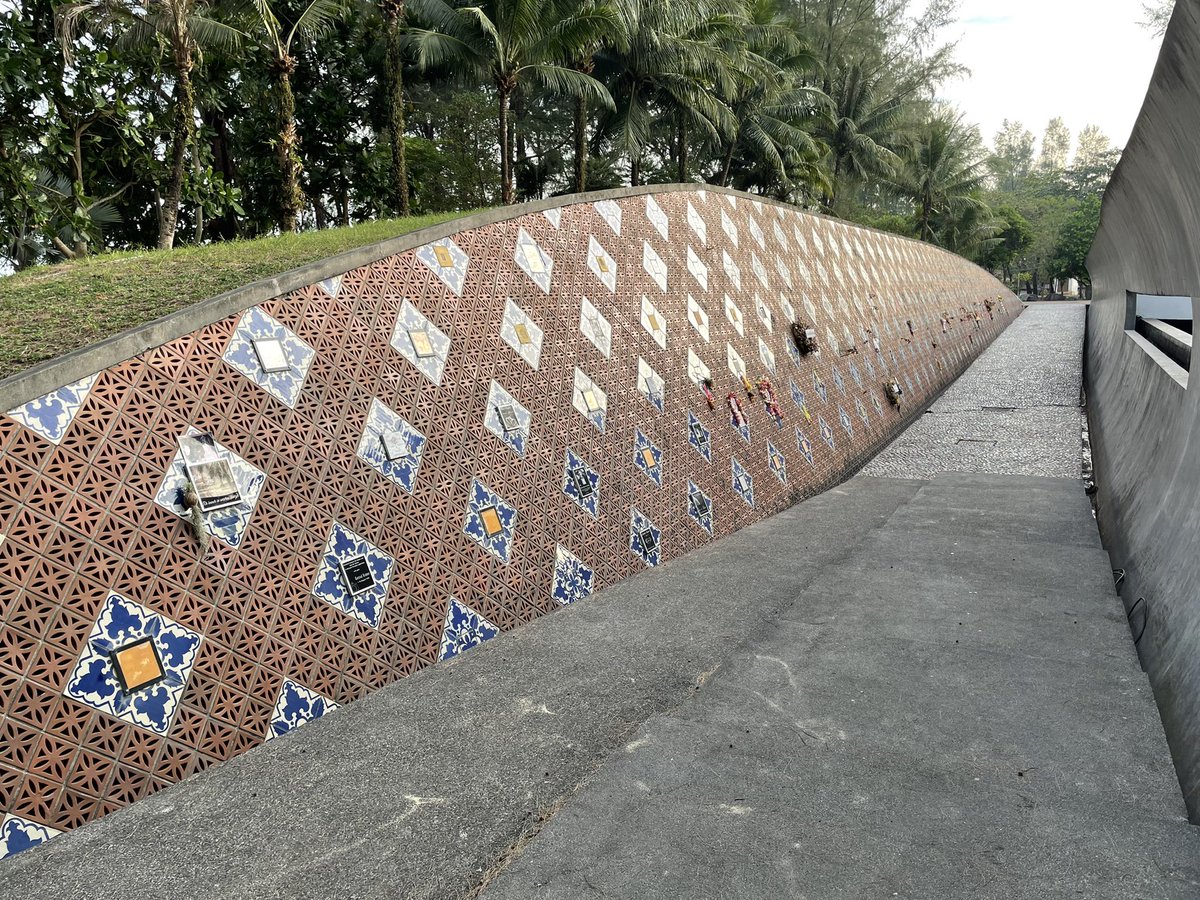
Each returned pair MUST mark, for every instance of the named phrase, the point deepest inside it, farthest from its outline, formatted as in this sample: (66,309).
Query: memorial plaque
(209,472)
(647,538)
(421,344)
(508,418)
(582,481)
(272,355)
(356,574)
(395,445)
(490,517)
(137,665)
(699,504)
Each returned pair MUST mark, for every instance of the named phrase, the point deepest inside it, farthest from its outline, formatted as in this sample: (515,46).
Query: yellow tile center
(491,521)
(422,346)
(648,457)
(445,260)
(533,258)
(589,400)
(138,665)
(522,333)
(602,263)
(653,320)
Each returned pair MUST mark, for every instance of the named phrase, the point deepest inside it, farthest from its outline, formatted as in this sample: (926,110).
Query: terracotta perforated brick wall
(468,354)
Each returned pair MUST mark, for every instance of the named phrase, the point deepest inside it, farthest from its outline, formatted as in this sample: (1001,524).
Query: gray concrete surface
(420,789)
(1144,411)
(1015,411)
(953,710)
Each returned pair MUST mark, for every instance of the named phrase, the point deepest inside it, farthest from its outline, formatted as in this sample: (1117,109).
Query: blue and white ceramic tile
(642,445)
(295,706)
(870,367)
(464,628)
(498,399)
(734,315)
(533,260)
(797,359)
(229,524)
(589,400)
(610,212)
(699,436)
(767,355)
(861,409)
(95,682)
(819,387)
(52,414)
(589,500)
(698,317)
(602,265)
(342,546)
(595,327)
(554,216)
(780,237)
(653,322)
(698,269)
(572,579)
(256,325)
(785,275)
(838,381)
(798,398)
(332,286)
(645,540)
(650,385)
(699,507)
(844,418)
(452,268)
(804,445)
(412,323)
(731,269)
(855,374)
(743,482)
(777,462)
(654,266)
(826,431)
(730,229)
(403,470)
(521,333)
(696,223)
(657,217)
(789,311)
(18,835)
(498,545)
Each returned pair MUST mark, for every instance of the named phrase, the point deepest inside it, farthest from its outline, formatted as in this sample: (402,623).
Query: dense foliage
(143,123)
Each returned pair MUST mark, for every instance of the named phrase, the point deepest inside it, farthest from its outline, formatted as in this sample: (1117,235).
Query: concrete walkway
(900,688)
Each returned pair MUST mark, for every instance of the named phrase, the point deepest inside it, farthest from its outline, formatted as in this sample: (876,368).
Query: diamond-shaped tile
(52,414)
(743,483)
(734,359)
(521,333)
(767,355)
(838,381)
(696,266)
(151,700)
(553,216)
(572,579)
(699,436)
(463,629)
(610,212)
(654,322)
(18,834)
(696,223)
(391,446)
(594,327)
(826,431)
(645,539)
(336,584)
(799,399)
(731,269)
(734,315)
(729,227)
(777,462)
(650,384)
(490,521)
(697,371)
(819,387)
(647,457)
(699,507)
(654,266)
(332,286)
(533,260)
(581,483)
(862,411)
(228,523)
(602,265)
(764,313)
(447,261)
(283,384)
(421,342)
(589,400)
(294,706)
(804,445)
(657,217)
(759,270)
(507,418)
(698,317)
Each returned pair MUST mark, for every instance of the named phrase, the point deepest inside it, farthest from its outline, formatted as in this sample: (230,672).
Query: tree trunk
(506,182)
(181,135)
(394,14)
(581,149)
(682,156)
(198,237)
(292,198)
(635,171)
(725,169)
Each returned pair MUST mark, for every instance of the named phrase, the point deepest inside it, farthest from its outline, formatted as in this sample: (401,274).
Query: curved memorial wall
(226,524)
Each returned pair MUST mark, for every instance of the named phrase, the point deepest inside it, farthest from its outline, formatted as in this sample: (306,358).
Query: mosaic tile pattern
(582,483)
(88,508)
(18,835)
(295,706)
(343,547)
(506,418)
(256,330)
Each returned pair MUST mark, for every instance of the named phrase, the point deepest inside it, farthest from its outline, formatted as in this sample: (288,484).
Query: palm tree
(944,173)
(511,40)
(674,61)
(861,132)
(278,36)
(179,30)
(393,13)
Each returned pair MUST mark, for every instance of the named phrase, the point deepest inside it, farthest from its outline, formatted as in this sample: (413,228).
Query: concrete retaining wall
(538,373)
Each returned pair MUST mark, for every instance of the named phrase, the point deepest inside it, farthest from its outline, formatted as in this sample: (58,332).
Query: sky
(1088,61)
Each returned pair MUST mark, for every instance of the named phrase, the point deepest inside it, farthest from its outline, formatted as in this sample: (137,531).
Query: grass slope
(50,310)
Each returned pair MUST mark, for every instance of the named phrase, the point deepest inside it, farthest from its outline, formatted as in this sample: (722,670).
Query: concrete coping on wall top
(50,375)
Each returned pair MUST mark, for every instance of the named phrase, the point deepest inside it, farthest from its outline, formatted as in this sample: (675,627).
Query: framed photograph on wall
(209,471)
